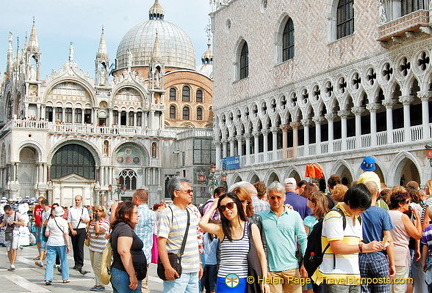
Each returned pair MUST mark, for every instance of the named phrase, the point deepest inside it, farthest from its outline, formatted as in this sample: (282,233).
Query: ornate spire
(156,52)
(156,11)
(102,51)
(33,44)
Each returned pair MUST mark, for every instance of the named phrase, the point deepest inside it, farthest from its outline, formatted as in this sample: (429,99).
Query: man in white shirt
(78,218)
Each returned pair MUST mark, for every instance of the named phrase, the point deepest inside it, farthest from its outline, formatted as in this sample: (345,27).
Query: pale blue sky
(59,22)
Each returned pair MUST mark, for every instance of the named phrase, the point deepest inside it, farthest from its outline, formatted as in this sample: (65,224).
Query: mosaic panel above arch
(130,156)
(67,92)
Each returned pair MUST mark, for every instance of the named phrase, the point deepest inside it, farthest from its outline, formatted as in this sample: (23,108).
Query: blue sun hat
(368,164)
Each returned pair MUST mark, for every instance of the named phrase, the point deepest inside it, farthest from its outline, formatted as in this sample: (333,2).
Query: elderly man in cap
(298,202)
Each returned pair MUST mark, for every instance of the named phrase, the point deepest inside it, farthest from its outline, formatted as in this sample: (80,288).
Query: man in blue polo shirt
(298,202)
(283,228)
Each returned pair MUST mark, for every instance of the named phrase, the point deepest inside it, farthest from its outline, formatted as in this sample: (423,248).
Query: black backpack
(314,253)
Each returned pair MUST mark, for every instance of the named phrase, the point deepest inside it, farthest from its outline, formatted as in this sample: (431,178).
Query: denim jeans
(187,283)
(120,282)
(52,252)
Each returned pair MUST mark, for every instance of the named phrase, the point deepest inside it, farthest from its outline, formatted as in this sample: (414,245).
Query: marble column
(248,147)
(274,131)
(284,128)
(224,147)
(389,118)
(306,124)
(239,144)
(318,120)
(425,96)
(406,101)
(265,133)
(357,111)
(256,135)
(231,140)
(373,108)
(344,114)
(330,119)
(295,126)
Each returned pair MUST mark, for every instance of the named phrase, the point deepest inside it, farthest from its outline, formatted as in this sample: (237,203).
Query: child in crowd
(208,280)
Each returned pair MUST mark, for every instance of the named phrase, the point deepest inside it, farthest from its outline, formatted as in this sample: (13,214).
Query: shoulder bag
(174,259)
(105,268)
(9,231)
(254,265)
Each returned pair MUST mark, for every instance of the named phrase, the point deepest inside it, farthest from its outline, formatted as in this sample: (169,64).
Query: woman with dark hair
(129,263)
(401,233)
(234,233)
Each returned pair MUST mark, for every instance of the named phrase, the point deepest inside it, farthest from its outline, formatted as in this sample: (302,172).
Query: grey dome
(175,46)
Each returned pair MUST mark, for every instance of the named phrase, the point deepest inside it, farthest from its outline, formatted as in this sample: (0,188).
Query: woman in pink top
(401,233)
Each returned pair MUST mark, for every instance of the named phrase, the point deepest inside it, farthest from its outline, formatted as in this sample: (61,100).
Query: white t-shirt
(56,236)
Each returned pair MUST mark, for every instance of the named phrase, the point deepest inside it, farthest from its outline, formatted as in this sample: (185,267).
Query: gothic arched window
(128,179)
(288,41)
(244,61)
(345,18)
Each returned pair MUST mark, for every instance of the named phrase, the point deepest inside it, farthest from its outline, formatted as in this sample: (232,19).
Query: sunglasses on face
(275,197)
(229,206)
(188,191)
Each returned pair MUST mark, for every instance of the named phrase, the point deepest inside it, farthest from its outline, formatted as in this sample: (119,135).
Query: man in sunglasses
(178,222)
(283,227)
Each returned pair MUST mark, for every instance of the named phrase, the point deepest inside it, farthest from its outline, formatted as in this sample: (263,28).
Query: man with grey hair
(174,222)
(258,204)
(283,228)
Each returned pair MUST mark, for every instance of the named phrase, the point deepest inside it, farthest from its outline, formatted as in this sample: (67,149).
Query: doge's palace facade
(325,82)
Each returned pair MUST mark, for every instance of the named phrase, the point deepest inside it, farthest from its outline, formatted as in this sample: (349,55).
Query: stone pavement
(29,278)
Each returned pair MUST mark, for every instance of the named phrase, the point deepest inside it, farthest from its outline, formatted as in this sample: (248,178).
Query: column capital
(256,133)
(239,137)
(274,129)
(343,113)
(284,127)
(306,122)
(389,103)
(424,96)
(247,136)
(224,140)
(265,131)
(357,110)
(318,119)
(373,107)
(231,138)
(295,125)
(330,116)
(406,100)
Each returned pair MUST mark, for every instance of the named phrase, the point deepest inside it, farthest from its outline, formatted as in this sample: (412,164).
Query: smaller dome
(156,11)
(207,56)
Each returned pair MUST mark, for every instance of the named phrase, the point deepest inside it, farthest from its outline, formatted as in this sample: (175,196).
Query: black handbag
(174,259)
(9,231)
(254,265)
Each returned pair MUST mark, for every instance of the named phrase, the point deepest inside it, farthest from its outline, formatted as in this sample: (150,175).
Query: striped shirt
(172,225)
(343,265)
(233,255)
(98,241)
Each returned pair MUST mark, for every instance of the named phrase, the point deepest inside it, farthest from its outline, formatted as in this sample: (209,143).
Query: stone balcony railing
(413,22)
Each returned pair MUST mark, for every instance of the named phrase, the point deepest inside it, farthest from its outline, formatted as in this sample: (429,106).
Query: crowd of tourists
(285,237)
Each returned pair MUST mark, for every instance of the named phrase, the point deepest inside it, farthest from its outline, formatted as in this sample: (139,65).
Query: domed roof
(175,46)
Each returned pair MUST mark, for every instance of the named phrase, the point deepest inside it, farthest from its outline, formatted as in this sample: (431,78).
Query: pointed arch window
(200,113)
(186,113)
(345,18)
(288,41)
(172,112)
(128,179)
(244,61)
(173,94)
(186,94)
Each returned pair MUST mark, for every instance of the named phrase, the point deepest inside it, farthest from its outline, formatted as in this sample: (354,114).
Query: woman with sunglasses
(401,233)
(234,245)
